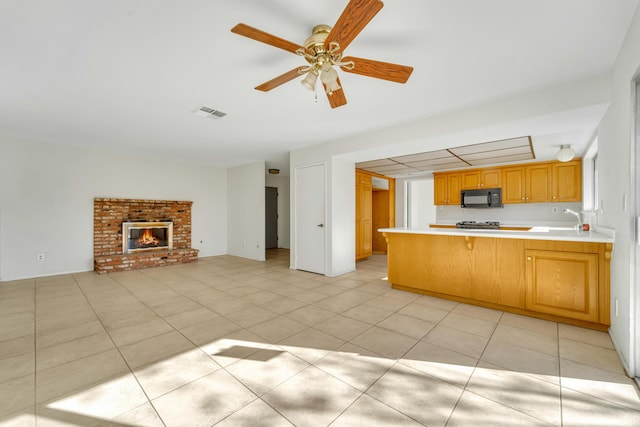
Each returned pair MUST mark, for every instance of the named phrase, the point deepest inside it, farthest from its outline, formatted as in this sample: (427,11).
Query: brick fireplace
(109,216)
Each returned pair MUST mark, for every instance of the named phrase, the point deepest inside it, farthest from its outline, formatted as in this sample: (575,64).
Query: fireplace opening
(145,236)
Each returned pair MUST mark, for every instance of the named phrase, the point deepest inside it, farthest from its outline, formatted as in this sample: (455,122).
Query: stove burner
(488,225)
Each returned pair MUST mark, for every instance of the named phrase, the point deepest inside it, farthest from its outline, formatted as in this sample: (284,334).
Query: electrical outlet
(554,210)
(40,256)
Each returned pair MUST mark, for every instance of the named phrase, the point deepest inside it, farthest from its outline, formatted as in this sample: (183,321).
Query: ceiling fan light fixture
(309,82)
(329,78)
(565,153)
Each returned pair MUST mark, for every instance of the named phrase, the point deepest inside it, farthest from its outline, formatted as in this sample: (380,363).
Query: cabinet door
(567,181)
(440,196)
(364,215)
(392,202)
(471,179)
(513,188)
(363,178)
(562,283)
(491,178)
(454,182)
(538,183)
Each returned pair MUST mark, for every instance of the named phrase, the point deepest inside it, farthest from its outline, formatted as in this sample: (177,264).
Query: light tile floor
(232,342)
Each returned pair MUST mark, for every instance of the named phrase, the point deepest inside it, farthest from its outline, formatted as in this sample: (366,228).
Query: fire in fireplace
(144,236)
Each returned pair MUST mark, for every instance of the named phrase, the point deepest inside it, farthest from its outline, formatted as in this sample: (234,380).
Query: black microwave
(481,198)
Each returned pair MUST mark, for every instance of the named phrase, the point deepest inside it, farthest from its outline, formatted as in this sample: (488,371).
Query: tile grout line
(120,353)
(464,388)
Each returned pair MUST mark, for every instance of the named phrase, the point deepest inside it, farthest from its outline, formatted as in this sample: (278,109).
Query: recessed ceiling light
(209,112)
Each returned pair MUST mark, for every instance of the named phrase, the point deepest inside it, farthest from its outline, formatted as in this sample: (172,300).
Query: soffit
(493,152)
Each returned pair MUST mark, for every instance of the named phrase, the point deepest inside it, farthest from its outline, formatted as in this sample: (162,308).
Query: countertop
(535,233)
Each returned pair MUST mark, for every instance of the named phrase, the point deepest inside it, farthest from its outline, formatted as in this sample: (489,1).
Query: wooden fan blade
(355,16)
(274,83)
(261,36)
(337,98)
(378,69)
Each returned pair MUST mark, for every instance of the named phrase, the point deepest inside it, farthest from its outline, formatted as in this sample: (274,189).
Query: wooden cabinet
(364,216)
(482,178)
(563,283)
(541,182)
(513,185)
(527,184)
(567,181)
(538,183)
(375,208)
(447,187)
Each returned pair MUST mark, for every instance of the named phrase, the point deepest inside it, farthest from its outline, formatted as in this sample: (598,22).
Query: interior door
(271,217)
(310,219)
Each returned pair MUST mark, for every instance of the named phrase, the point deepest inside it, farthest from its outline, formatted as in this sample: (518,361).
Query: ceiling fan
(324,49)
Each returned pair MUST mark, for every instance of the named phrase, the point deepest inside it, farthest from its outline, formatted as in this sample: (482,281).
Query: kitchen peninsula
(554,274)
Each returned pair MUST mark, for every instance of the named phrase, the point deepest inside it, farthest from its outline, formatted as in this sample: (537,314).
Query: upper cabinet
(447,188)
(541,182)
(479,178)
(567,181)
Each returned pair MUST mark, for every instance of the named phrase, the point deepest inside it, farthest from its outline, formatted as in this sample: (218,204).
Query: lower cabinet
(562,283)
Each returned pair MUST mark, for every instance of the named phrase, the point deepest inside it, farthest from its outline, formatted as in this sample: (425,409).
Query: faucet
(577,215)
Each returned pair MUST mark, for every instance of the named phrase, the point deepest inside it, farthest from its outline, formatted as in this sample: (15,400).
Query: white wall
(245,210)
(615,185)
(525,214)
(284,203)
(47,192)
(341,231)
(422,211)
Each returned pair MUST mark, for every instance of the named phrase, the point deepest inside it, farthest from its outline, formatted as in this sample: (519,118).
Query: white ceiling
(127,75)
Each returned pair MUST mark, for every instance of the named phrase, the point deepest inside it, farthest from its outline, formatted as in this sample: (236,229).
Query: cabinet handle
(554,197)
(523,198)
(528,258)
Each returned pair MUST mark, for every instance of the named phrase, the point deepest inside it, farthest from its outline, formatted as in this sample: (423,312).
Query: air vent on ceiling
(205,111)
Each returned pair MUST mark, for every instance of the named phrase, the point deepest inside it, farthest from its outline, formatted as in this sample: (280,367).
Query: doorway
(310,246)
(271,217)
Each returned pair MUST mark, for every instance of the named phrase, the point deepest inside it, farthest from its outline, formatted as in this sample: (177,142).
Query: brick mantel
(108,216)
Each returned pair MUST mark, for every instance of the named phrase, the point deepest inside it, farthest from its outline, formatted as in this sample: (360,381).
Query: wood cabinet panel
(435,266)
(563,283)
(479,178)
(513,185)
(567,181)
(447,187)
(556,280)
(440,190)
(455,186)
(538,183)
(498,271)
(364,215)
(491,178)
(471,179)
(392,202)
(380,219)
(541,182)
(375,208)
